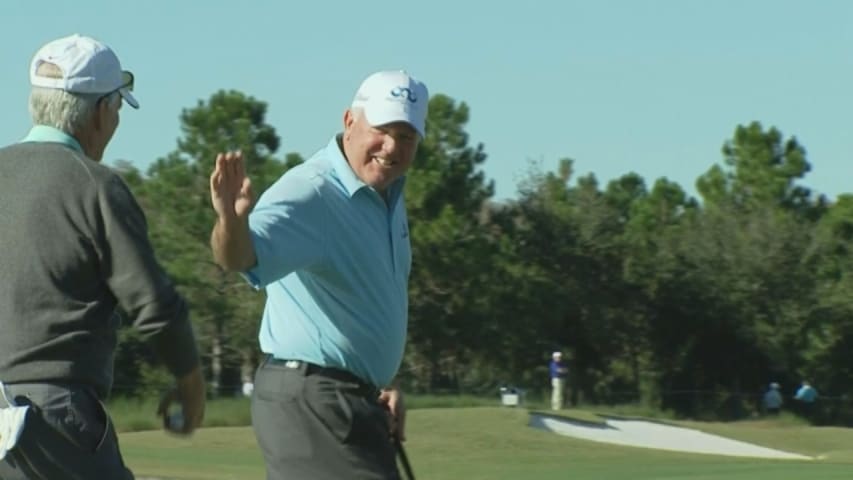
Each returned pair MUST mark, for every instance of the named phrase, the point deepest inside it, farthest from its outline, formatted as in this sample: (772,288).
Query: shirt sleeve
(139,284)
(288,229)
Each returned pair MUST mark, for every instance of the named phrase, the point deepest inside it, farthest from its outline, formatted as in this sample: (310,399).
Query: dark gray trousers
(311,426)
(67,436)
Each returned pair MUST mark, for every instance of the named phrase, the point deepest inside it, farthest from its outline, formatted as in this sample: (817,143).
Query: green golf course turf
(497,444)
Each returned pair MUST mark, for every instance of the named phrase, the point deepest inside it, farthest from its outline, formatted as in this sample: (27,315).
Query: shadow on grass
(596,420)
(581,417)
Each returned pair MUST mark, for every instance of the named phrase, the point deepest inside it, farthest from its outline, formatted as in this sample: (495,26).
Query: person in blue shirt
(772,399)
(558,373)
(805,397)
(329,242)
(806,393)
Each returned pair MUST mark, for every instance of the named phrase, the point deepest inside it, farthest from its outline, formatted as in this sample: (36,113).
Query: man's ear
(349,118)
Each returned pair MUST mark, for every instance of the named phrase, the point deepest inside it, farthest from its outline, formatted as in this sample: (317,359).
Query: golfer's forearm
(191,393)
(232,245)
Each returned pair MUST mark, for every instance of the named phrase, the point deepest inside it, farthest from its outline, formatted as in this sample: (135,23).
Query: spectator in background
(805,397)
(772,399)
(559,372)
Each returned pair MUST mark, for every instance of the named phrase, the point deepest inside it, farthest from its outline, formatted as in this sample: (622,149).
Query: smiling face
(380,154)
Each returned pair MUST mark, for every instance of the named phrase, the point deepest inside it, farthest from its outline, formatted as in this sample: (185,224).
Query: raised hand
(230,188)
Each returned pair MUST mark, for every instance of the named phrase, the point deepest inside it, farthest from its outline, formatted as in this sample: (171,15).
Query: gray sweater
(73,247)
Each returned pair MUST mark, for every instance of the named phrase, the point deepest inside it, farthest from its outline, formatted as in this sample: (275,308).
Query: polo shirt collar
(44,133)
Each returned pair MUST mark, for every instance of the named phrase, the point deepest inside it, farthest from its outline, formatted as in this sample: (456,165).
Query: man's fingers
(246,188)
(229,164)
(220,164)
(229,169)
(214,179)
(240,166)
(234,161)
(392,400)
(221,171)
(228,172)
(216,174)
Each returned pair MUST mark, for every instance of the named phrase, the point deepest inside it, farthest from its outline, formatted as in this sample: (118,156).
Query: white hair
(63,110)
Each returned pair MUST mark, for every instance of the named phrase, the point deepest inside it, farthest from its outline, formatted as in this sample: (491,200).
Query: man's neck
(87,144)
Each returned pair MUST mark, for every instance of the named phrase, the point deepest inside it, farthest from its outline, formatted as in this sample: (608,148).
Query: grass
(139,415)
(132,415)
(495,443)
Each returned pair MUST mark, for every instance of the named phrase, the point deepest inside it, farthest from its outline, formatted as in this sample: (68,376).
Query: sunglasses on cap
(126,84)
(126,80)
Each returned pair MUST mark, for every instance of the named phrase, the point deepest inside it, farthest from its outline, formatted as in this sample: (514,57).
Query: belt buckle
(292,364)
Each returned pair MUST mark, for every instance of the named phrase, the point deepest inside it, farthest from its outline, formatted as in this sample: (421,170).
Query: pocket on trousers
(277,384)
(84,421)
(371,425)
(330,406)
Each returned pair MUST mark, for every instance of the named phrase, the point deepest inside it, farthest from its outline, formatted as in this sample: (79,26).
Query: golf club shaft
(404,459)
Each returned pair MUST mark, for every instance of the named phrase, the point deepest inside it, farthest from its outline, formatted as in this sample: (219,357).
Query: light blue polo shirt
(44,133)
(334,259)
(806,393)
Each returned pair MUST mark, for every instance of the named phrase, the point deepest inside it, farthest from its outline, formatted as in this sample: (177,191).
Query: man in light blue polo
(805,397)
(329,241)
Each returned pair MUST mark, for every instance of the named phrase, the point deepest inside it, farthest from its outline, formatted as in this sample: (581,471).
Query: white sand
(644,434)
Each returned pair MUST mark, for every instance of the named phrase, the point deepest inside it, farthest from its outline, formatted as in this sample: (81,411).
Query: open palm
(230,188)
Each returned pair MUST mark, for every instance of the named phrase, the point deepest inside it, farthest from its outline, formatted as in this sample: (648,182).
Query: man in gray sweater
(73,248)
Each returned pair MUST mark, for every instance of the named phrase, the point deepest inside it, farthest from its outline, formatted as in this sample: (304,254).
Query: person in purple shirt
(559,372)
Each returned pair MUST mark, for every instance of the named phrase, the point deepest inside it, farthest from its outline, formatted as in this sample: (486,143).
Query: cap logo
(404,92)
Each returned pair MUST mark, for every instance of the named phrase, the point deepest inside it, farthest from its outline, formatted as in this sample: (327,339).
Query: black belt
(308,368)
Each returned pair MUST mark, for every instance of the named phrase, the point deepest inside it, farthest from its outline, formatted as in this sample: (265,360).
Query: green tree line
(688,304)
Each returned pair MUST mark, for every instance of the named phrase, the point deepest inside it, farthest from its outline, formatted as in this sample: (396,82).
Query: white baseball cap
(88,67)
(393,96)
(557,354)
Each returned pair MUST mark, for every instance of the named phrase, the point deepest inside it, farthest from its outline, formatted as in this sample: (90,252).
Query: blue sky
(647,86)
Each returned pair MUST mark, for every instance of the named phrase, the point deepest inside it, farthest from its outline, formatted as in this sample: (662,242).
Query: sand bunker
(645,434)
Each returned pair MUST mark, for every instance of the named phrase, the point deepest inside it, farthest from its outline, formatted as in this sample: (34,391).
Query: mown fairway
(496,444)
